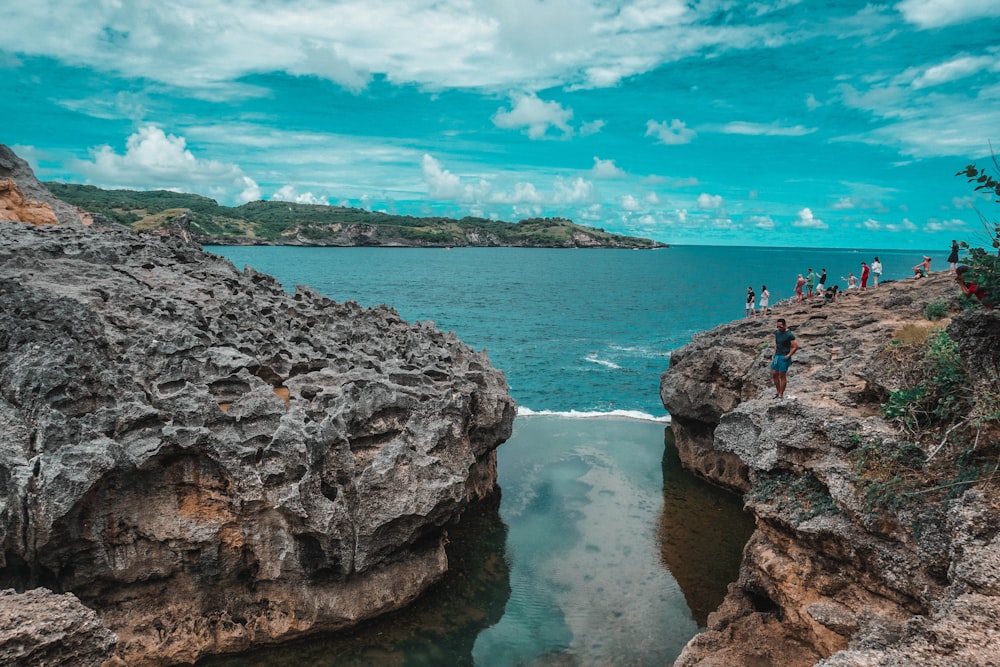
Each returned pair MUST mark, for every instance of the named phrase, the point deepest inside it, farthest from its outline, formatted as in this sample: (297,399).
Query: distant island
(287,223)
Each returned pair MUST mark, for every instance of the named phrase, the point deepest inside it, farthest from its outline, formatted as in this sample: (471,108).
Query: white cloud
(954,224)
(443,184)
(522,193)
(606,169)
(762,221)
(574,191)
(290,193)
(156,160)
(534,115)
(768,130)
(937,13)
(873,225)
(630,203)
(812,103)
(905,225)
(963,202)
(808,220)
(844,203)
(953,124)
(213,47)
(523,196)
(591,127)
(709,202)
(250,192)
(955,69)
(672,134)
(689,182)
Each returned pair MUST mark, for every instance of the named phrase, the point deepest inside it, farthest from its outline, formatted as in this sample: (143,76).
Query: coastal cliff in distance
(287,223)
(206,461)
(873,484)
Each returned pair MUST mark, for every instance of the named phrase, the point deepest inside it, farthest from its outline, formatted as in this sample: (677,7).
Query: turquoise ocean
(601,550)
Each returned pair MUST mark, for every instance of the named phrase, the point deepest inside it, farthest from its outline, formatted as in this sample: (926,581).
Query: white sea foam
(594,359)
(643,351)
(579,414)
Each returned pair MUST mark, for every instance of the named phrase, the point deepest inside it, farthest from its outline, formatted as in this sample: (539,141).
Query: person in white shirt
(876,272)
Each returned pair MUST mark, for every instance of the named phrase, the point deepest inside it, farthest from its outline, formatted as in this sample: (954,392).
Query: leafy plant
(802,496)
(932,395)
(936,310)
(984,266)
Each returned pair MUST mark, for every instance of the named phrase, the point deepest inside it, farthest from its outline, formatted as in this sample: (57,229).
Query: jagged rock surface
(23,198)
(846,586)
(39,628)
(212,463)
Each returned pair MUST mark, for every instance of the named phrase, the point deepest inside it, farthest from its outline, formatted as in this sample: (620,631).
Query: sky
(782,122)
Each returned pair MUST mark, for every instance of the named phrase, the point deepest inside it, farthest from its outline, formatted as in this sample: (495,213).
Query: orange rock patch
(13,206)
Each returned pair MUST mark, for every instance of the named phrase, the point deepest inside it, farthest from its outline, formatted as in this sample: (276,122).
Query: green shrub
(932,394)
(936,310)
(984,265)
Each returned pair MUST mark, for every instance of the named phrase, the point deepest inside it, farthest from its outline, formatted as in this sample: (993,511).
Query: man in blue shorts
(785,346)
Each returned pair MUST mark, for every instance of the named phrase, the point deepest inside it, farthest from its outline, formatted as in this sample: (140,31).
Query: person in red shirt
(970,288)
(864,275)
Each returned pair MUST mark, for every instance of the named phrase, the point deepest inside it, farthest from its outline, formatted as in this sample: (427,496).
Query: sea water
(601,551)
(574,330)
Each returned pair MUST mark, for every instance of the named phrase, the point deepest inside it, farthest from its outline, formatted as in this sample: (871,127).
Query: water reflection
(438,629)
(702,534)
(603,552)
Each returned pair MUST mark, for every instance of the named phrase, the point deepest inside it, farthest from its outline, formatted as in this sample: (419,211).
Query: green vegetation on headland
(286,223)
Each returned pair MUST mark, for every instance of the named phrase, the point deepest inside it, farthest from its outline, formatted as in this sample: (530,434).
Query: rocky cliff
(861,556)
(211,463)
(23,198)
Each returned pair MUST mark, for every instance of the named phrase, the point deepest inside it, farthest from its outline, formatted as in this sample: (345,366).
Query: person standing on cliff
(876,271)
(785,346)
(953,257)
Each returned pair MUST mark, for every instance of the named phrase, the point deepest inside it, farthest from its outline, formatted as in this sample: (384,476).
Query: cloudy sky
(779,122)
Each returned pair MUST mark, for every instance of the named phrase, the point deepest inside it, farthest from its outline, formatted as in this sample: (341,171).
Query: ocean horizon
(580,333)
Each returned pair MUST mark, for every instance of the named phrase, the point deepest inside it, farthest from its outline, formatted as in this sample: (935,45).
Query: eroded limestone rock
(825,580)
(24,199)
(212,463)
(39,628)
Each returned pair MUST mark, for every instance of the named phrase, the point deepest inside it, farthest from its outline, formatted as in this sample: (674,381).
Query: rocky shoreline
(827,579)
(207,462)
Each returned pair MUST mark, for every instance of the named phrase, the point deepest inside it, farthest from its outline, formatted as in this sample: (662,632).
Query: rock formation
(211,463)
(828,579)
(39,628)
(23,198)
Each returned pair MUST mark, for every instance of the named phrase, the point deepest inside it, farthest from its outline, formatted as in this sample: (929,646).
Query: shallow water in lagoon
(602,551)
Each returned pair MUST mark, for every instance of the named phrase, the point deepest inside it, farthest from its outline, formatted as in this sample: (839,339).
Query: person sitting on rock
(923,268)
(830,295)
